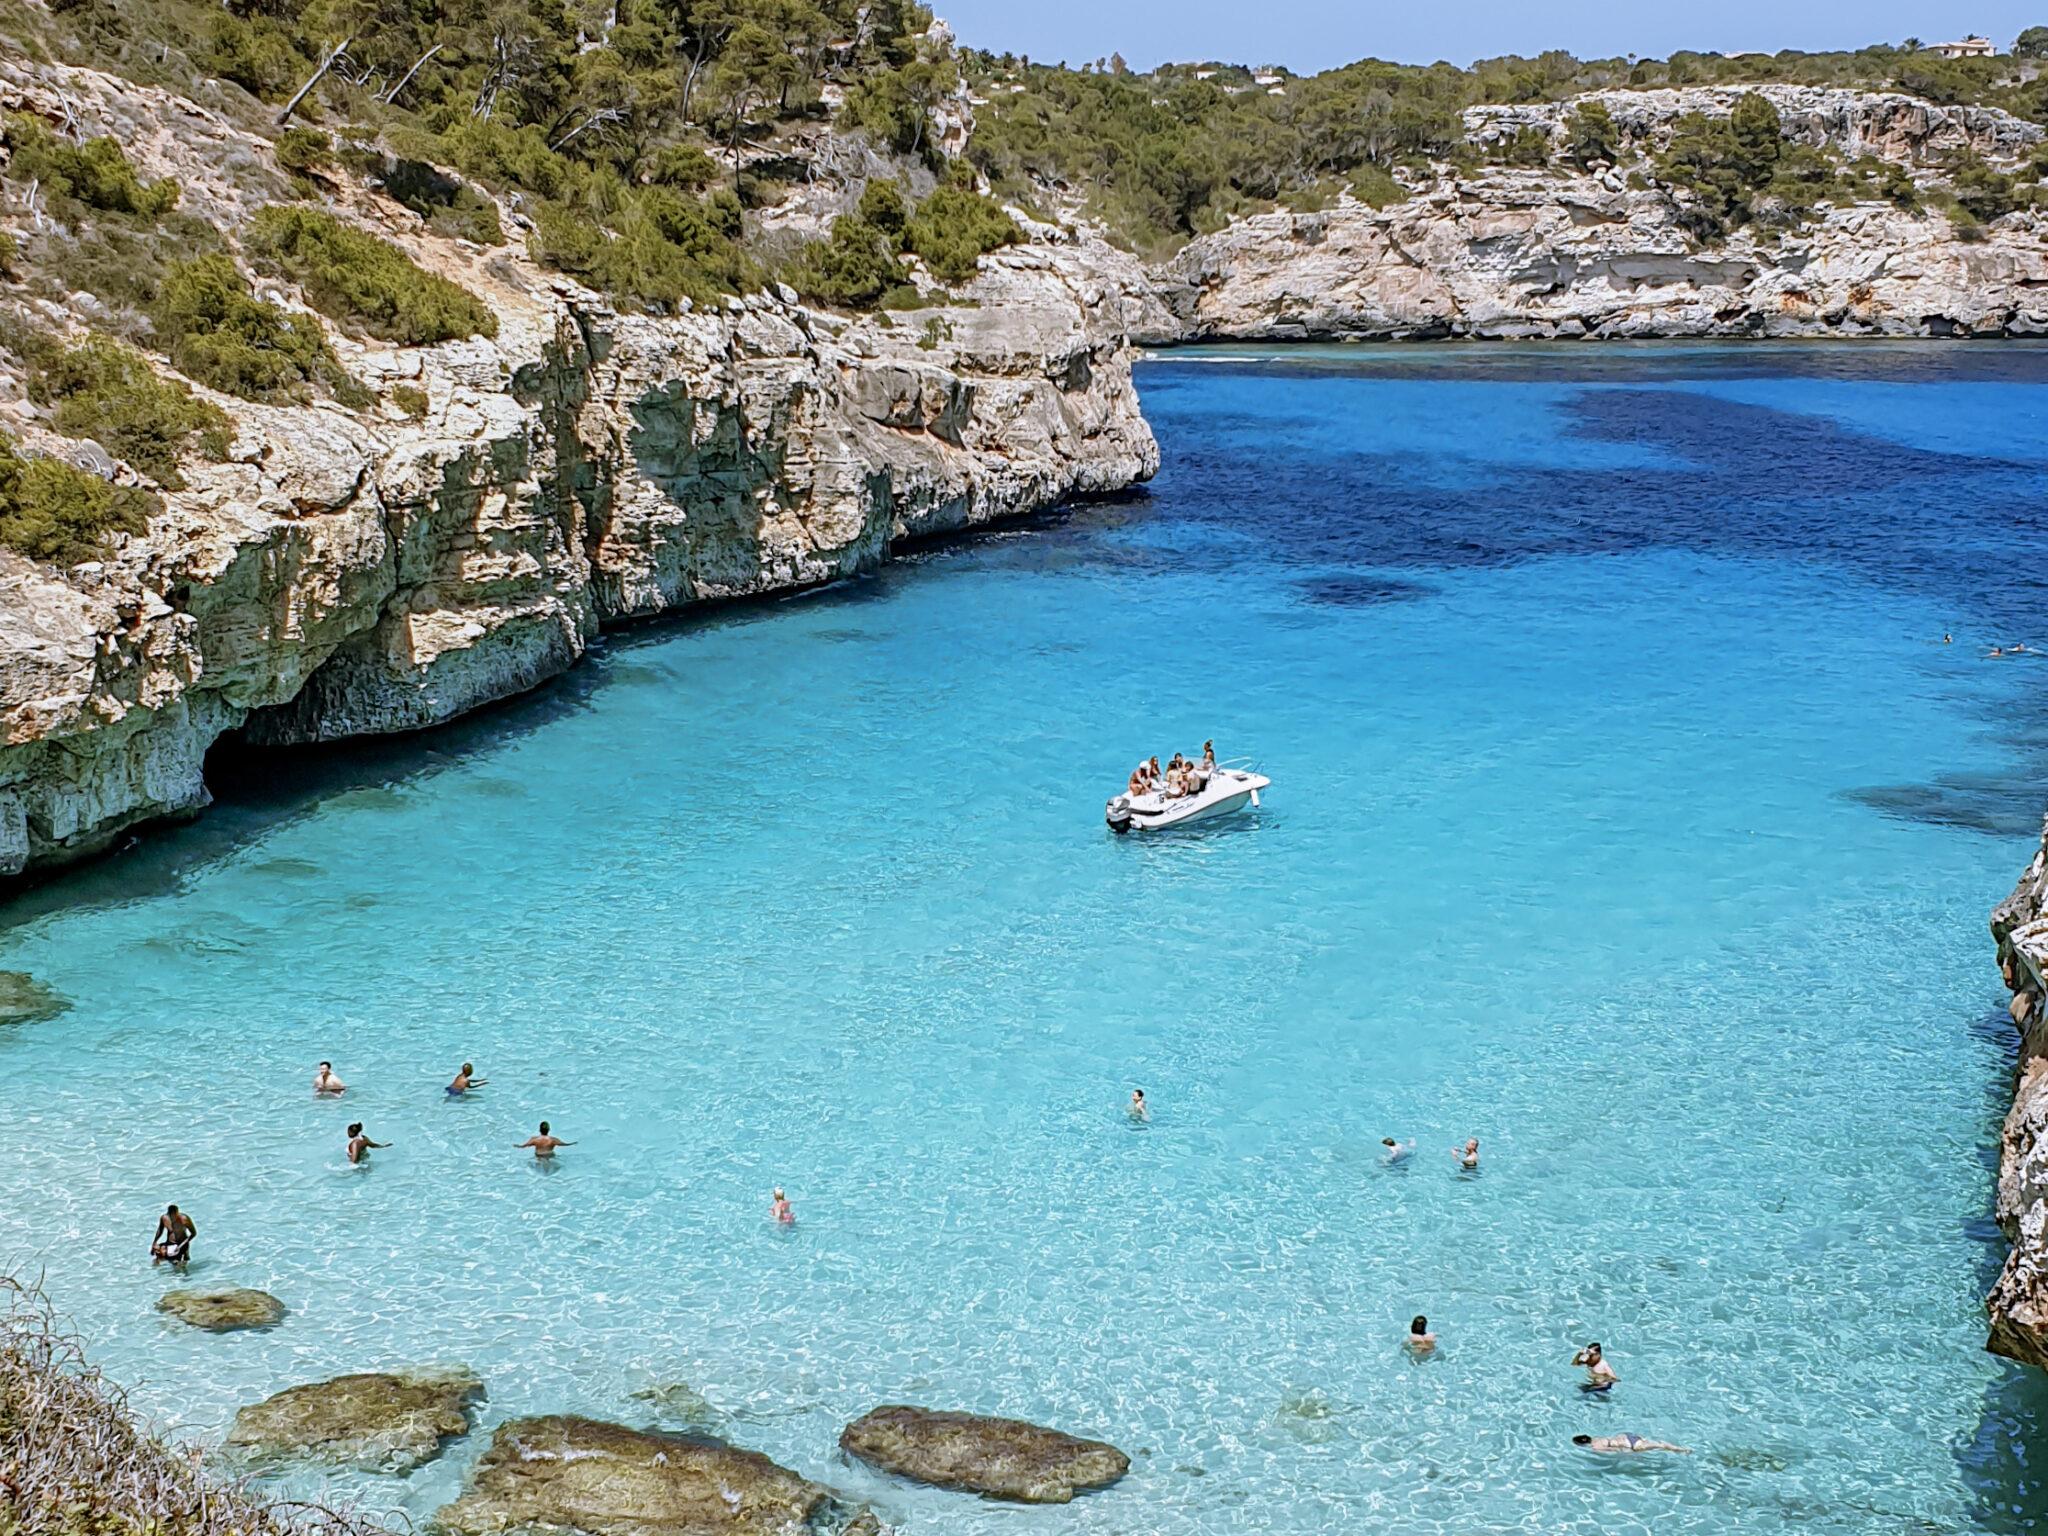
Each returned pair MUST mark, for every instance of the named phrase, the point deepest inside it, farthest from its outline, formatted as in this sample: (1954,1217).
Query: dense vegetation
(108,392)
(367,285)
(1175,153)
(219,333)
(50,510)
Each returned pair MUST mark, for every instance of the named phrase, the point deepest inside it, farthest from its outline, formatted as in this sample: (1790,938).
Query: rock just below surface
(1002,1458)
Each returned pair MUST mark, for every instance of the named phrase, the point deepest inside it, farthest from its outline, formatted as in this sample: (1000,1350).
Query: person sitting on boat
(1139,783)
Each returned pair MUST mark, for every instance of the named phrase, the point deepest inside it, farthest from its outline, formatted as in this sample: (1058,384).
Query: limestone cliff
(2019,1301)
(1504,253)
(352,572)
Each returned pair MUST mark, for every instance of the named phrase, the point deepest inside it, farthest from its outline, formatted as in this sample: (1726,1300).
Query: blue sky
(1308,35)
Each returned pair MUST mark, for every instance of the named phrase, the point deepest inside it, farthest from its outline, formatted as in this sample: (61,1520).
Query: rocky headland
(1498,253)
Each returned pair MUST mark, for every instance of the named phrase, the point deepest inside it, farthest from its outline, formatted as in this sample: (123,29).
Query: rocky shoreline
(2018,1303)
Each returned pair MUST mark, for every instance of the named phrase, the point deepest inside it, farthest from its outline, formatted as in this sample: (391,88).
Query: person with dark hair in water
(173,1241)
(326,1084)
(359,1145)
(1625,1442)
(1600,1375)
(1420,1340)
(544,1144)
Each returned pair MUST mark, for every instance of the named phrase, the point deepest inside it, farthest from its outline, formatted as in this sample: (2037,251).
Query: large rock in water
(1004,1458)
(389,1422)
(576,1474)
(223,1311)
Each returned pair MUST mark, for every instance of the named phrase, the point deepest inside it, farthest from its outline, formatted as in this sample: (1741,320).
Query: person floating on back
(1625,1442)
(544,1144)
(1599,1374)
(1420,1340)
(326,1084)
(359,1145)
(782,1211)
(464,1082)
(1139,1111)
(173,1241)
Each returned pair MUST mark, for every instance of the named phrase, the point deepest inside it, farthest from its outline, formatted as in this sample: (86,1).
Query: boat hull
(1125,814)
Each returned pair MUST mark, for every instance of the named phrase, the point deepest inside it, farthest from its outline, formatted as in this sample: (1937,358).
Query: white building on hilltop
(1972,47)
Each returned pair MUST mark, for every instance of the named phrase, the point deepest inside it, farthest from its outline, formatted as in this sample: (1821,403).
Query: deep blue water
(1628,813)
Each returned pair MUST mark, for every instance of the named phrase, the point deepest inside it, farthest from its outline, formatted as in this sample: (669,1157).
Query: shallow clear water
(1628,814)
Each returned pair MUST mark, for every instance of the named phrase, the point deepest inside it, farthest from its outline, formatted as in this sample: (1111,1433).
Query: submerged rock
(24,1000)
(1003,1458)
(582,1475)
(389,1422)
(223,1311)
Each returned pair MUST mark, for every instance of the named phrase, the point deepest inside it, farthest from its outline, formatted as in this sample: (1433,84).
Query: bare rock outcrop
(564,1473)
(1000,1458)
(391,1422)
(348,573)
(2018,1303)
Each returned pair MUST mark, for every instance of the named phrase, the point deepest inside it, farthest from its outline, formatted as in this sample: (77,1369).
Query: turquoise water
(1628,814)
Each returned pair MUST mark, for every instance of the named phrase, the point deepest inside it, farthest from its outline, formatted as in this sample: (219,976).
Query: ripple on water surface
(1627,814)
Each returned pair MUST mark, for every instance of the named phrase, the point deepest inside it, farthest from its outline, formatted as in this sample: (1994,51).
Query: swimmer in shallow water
(1138,1109)
(359,1145)
(464,1081)
(173,1241)
(1420,1340)
(1396,1151)
(1467,1155)
(1625,1442)
(544,1144)
(782,1211)
(1599,1374)
(326,1084)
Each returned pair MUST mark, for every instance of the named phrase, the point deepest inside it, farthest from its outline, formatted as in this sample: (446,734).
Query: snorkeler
(173,1241)
(544,1144)
(464,1082)
(1625,1442)
(782,1211)
(1599,1374)
(325,1083)
(359,1145)
(1420,1340)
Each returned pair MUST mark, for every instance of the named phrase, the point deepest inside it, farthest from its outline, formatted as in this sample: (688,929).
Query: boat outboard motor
(1118,814)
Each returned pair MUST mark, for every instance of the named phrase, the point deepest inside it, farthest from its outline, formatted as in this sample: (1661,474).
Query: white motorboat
(1231,787)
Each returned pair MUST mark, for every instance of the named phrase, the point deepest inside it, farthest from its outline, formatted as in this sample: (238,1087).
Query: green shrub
(449,206)
(300,150)
(366,284)
(1590,134)
(219,333)
(685,166)
(411,400)
(1527,147)
(95,173)
(1372,185)
(954,226)
(663,247)
(852,268)
(10,251)
(53,511)
(108,392)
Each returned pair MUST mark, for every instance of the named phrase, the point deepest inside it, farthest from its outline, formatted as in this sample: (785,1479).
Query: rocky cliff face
(1548,254)
(355,572)
(2019,1301)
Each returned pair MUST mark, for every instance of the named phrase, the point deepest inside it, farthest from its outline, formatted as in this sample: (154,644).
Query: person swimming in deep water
(544,1144)
(1396,1151)
(464,1082)
(1600,1375)
(1625,1442)
(1467,1155)
(1139,1111)
(173,1241)
(783,1212)
(1420,1340)
(359,1145)
(326,1084)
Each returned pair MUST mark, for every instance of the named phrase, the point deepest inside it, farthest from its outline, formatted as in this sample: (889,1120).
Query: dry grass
(74,1460)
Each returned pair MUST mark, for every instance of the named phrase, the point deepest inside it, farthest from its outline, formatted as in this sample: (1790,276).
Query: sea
(1642,779)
